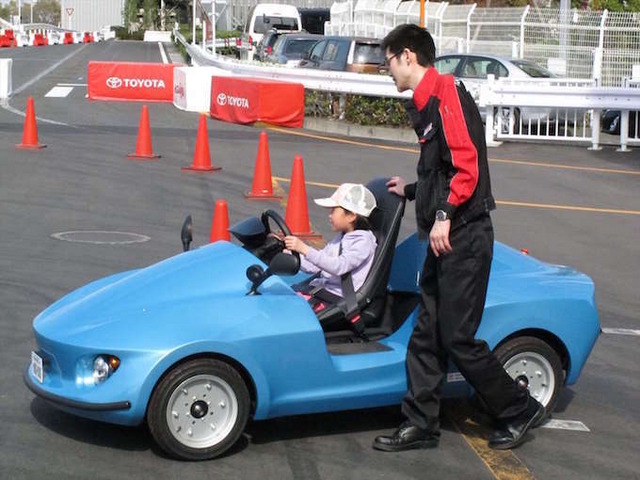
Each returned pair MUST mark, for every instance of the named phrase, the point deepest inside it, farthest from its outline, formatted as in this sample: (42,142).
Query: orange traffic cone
(202,157)
(297,215)
(220,223)
(144,150)
(30,131)
(262,188)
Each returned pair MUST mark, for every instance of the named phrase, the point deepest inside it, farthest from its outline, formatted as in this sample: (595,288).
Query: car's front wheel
(534,365)
(199,409)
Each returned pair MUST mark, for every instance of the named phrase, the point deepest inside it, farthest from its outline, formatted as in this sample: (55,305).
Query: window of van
(265,22)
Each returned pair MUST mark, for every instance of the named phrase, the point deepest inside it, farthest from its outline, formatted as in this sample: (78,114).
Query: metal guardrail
(590,99)
(329,81)
(581,99)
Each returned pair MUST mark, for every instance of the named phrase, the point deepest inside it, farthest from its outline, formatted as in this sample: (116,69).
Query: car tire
(534,365)
(505,114)
(199,409)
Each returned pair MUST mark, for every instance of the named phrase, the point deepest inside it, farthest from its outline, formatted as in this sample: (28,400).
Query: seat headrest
(382,217)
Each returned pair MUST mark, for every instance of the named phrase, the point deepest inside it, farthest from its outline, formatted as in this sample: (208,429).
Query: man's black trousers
(453,290)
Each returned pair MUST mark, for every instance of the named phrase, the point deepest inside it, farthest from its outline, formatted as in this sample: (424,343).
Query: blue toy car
(199,343)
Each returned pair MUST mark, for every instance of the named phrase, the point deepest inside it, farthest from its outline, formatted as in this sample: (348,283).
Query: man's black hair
(413,37)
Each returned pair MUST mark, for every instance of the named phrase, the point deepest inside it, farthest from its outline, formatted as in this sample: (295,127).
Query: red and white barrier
(250,100)
(192,87)
(149,82)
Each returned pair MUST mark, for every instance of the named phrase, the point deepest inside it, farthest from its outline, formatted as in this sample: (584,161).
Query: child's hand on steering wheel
(296,245)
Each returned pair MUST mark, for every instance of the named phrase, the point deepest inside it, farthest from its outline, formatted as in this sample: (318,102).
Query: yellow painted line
(342,140)
(503,464)
(568,207)
(510,203)
(416,151)
(315,184)
(566,167)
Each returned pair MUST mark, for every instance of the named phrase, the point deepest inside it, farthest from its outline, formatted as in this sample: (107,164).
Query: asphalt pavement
(565,204)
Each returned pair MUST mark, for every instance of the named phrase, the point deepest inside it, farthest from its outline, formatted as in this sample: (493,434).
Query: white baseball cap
(351,196)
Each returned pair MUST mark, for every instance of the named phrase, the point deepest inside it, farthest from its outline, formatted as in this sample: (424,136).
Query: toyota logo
(222,99)
(114,82)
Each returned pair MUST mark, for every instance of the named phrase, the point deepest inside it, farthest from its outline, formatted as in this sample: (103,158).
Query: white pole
(162,23)
(213,26)
(193,32)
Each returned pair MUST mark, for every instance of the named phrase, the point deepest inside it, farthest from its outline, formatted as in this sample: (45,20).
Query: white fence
(586,44)
(551,110)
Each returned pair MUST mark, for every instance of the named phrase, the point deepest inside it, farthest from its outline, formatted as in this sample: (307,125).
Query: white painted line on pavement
(621,331)
(574,425)
(163,53)
(73,84)
(46,72)
(9,108)
(59,92)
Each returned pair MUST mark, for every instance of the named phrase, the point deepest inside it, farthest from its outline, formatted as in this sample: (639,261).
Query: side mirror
(281,264)
(256,275)
(284,264)
(306,55)
(187,233)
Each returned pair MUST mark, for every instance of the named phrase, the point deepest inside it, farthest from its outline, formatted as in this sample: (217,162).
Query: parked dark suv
(265,46)
(290,48)
(347,54)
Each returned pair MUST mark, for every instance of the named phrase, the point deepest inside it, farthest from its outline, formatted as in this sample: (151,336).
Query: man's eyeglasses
(387,60)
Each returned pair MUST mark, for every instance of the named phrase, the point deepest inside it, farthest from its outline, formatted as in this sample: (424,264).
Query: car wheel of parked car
(505,114)
(199,409)
(534,365)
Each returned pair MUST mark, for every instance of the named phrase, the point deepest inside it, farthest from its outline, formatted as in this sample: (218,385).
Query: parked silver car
(473,70)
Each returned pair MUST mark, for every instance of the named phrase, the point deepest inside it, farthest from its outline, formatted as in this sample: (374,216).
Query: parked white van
(263,17)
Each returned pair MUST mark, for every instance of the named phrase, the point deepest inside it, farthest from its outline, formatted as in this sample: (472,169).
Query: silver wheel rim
(534,371)
(202,411)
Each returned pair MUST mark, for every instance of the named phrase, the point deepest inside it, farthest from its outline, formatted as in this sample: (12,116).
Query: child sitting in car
(352,250)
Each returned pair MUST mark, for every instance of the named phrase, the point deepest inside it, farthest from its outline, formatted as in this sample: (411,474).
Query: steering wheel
(279,221)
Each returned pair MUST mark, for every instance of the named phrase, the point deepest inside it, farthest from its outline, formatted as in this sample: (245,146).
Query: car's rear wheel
(505,114)
(535,366)
(199,409)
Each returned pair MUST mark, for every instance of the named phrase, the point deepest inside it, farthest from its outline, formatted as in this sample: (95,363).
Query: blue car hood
(211,274)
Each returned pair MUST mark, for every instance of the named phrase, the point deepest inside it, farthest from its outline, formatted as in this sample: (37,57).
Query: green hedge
(123,33)
(367,111)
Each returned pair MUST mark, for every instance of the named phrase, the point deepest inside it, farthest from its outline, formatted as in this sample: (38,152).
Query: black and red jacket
(453,173)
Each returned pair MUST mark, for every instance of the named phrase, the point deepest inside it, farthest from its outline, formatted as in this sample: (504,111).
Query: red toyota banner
(149,82)
(249,100)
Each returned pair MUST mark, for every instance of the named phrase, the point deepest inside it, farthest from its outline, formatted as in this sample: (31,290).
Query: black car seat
(370,298)
(493,69)
(470,70)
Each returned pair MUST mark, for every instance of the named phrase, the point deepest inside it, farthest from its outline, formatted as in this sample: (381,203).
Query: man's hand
(396,185)
(296,245)
(439,237)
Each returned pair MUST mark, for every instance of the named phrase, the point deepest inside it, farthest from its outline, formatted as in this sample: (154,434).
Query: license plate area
(37,366)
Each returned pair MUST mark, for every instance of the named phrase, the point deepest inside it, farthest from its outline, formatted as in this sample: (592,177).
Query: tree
(617,5)
(130,15)
(47,11)
(150,14)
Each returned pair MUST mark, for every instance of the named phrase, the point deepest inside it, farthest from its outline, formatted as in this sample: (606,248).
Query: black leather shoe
(407,437)
(513,431)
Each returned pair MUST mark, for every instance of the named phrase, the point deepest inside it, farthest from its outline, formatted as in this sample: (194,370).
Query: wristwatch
(441,216)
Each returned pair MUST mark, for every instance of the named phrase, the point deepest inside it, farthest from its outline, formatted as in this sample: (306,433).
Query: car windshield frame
(533,69)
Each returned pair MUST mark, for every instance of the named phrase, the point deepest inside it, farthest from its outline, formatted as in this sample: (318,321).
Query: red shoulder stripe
(464,154)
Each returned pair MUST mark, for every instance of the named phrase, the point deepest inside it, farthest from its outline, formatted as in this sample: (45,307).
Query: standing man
(453,200)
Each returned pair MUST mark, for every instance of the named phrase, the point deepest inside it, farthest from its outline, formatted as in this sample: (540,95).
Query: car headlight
(103,367)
